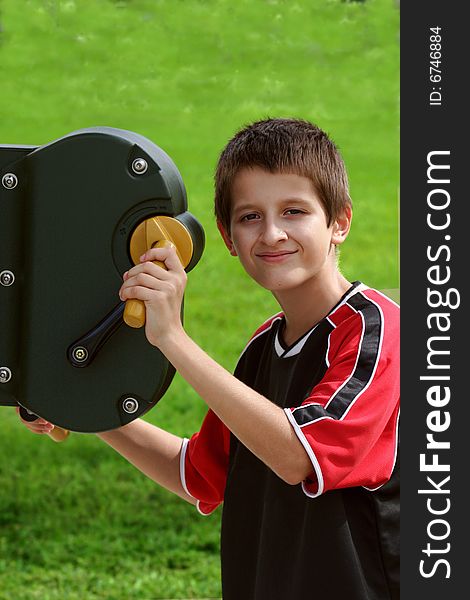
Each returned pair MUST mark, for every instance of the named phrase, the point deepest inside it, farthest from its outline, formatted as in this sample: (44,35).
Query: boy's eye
(294,211)
(250,217)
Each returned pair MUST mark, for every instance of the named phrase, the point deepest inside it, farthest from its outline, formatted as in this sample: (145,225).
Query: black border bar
(435,202)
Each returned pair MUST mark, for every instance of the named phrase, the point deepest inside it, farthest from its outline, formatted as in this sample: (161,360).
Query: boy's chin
(277,285)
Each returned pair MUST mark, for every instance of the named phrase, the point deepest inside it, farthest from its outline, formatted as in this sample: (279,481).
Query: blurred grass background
(75,520)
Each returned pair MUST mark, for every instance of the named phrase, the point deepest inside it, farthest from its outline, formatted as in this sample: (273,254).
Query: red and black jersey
(335,536)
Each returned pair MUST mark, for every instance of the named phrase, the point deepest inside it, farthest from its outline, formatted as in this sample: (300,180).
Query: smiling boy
(300,444)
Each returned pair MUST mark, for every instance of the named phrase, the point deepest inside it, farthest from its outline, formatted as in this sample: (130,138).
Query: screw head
(80,354)
(7,278)
(130,405)
(5,374)
(9,181)
(139,166)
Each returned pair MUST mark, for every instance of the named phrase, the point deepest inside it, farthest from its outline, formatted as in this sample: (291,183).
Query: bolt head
(5,374)
(7,278)
(139,166)
(130,405)
(9,181)
(80,354)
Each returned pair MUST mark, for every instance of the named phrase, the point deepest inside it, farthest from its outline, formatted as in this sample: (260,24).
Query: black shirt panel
(280,544)
(285,380)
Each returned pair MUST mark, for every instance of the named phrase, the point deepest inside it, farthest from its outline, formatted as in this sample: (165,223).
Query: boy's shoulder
(267,325)
(367,305)
(353,303)
(367,317)
(364,296)
(381,298)
(360,310)
(369,301)
(265,328)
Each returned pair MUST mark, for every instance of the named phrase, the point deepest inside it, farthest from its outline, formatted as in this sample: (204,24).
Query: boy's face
(279,229)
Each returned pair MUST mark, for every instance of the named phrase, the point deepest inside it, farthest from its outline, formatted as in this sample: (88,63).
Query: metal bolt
(130,405)
(139,166)
(80,354)
(9,181)
(7,278)
(5,374)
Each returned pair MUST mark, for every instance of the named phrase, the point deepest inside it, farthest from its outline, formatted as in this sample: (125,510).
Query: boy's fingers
(143,279)
(135,292)
(147,277)
(150,268)
(42,429)
(166,255)
(37,422)
(172,261)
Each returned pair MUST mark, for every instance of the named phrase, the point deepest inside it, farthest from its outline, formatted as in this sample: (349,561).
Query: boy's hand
(37,426)
(161,290)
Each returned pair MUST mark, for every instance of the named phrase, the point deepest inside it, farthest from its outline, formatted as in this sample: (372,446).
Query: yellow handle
(58,434)
(134,312)
(156,232)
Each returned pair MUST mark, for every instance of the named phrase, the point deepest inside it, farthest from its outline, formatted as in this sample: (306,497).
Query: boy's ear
(226,238)
(341,226)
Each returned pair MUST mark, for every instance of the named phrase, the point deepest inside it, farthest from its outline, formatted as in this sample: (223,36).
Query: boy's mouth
(274,257)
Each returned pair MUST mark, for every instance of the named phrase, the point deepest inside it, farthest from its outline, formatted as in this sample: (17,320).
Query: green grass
(75,520)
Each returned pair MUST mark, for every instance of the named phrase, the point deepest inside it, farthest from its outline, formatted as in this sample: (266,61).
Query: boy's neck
(305,306)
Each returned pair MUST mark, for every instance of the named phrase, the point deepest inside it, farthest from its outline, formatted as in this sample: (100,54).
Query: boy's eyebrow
(284,201)
(297,200)
(244,207)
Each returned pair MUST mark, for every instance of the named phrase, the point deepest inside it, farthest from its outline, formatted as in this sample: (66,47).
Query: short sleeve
(204,463)
(348,424)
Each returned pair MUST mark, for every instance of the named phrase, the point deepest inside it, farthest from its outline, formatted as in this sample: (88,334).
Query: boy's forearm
(152,450)
(257,422)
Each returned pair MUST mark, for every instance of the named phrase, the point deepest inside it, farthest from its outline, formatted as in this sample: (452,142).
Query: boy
(301,444)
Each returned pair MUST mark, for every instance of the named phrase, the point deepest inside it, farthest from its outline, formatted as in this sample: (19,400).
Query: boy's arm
(153,451)
(258,423)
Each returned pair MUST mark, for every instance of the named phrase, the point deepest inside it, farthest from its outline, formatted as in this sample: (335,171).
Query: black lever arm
(82,352)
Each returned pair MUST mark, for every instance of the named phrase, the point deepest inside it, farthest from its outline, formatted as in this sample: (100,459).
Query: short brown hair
(283,146)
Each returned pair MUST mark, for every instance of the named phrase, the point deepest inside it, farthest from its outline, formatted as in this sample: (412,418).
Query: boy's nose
(273,233)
